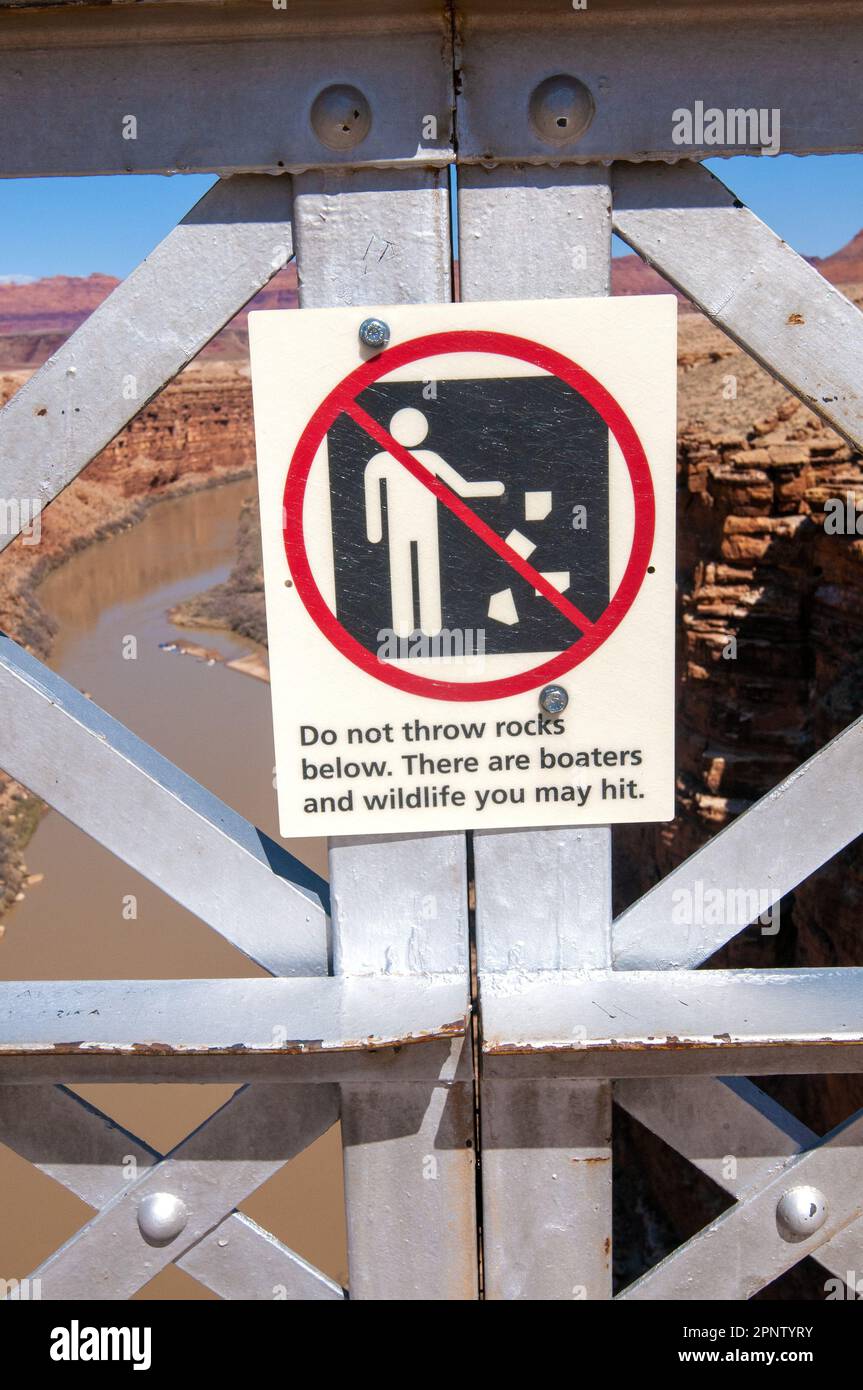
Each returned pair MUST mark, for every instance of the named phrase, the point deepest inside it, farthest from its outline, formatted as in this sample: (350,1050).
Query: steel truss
(369,1015)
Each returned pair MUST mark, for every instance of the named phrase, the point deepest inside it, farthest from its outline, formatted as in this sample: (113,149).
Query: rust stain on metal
(796,318)
(457,1028)
(670,1043)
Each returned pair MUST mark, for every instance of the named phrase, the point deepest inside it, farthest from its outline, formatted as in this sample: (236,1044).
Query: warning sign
(469,563)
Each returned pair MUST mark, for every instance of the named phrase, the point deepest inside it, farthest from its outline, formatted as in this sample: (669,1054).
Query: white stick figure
(412,521)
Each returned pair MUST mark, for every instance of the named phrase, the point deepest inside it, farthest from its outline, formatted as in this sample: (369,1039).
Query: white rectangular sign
(468,541)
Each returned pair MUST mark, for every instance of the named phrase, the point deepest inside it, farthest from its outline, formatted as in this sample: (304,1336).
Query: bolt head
(374,333)
(553,699)
(161,1217)
(340,117)
(560,109)
(801,1212)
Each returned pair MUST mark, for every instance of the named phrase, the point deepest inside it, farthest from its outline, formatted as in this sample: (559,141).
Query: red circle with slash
(343,399)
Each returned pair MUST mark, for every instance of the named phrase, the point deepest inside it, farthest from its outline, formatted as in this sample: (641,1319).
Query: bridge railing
(370,1014)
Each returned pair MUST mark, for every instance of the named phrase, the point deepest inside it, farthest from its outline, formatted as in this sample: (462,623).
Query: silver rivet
(553,699)
(374,333)
(561,108)
(161,1217)
(801,1212)
(341,117)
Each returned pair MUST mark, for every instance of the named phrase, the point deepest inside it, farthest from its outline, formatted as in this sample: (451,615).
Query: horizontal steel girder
(642,64)
(669,1023)
(185,1017)
(231,89)
(599,1023)
(190,88)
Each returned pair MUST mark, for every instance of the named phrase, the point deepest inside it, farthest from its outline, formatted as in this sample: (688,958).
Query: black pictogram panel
(533,436)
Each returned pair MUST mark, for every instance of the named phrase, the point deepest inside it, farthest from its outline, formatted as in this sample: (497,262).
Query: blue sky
(75,226)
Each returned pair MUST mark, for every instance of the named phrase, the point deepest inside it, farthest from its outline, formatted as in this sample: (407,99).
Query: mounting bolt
(161,1217)
(374,333)
(340,117)
(801,1212)
(553,699)
(560,109)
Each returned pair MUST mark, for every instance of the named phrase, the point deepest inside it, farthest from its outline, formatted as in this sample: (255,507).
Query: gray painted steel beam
(751,284)
(399,902)
(249,1139)
(240,1260)
(561,921)
(231,243)
(805,820)
(708,1119)
(400,905)
(238,115)
(543,897)
(557,218)
(747,1248)
(158,820)
(70,1140)
(206,86)
(205,1016)
(371,238)
(643,63)
(718,1022)
(736,1134)
(90,1154)
(227,90)
(396,1065)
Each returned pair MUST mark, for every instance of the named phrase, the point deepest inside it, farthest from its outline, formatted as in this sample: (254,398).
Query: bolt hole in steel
(161,1217)
(340,117)
(801,1212)
(560,109)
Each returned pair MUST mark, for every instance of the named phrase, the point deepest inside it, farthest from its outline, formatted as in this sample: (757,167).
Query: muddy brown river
(74,923)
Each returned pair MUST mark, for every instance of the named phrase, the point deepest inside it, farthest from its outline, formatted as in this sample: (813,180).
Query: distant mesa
(630,275)
(36,316)
(845,266)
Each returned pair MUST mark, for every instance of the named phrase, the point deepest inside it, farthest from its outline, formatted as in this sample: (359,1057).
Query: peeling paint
(292,1047)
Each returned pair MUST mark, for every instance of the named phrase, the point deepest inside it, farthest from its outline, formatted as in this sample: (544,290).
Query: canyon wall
(195,434)
(770,667)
